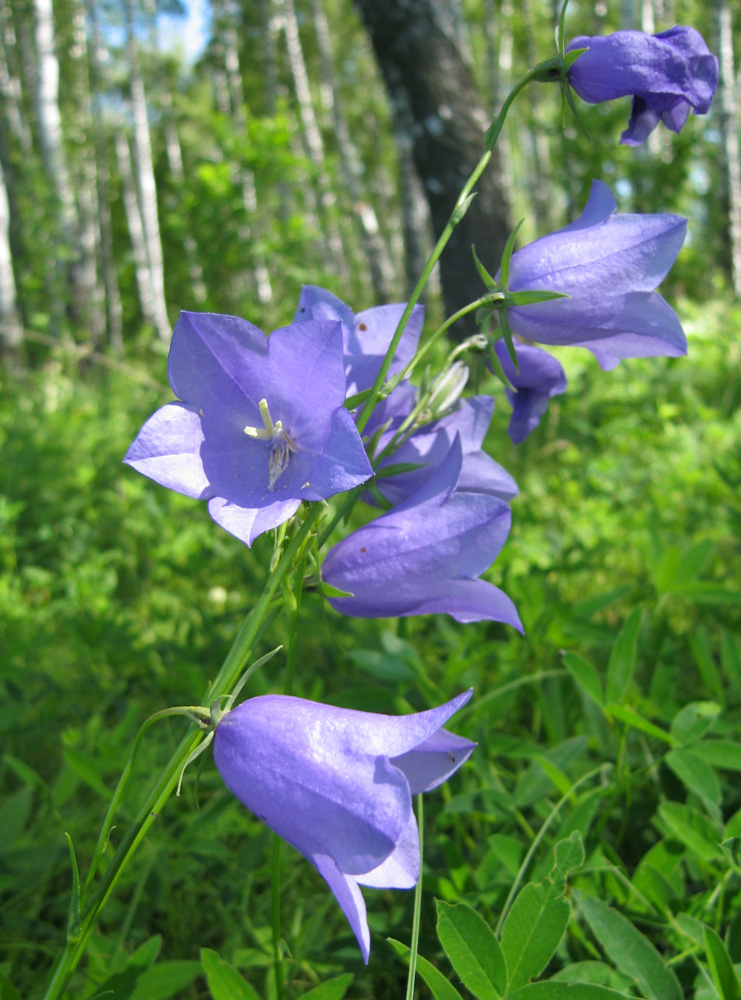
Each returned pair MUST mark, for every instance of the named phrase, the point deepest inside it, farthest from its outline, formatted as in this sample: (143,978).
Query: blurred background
(215,156)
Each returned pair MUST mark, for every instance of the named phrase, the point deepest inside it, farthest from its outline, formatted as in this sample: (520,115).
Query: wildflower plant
(268,429)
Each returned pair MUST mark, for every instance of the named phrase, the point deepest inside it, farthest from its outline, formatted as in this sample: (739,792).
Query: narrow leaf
(473,950)
(631,952)
(623,657)
(697,776)
(585,676)
(73,915)
(332,989)
(721,967)
(439,986)
(554,990)
(693,721)
(631,718)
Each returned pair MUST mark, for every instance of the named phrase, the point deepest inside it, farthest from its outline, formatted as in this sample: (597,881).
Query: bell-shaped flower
(668,75)
(538,377)
(261,424)
(609,263)
(366,336)
(425,555)
(337,784)
(429,446)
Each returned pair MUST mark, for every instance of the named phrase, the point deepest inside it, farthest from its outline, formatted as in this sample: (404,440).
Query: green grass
(118,598)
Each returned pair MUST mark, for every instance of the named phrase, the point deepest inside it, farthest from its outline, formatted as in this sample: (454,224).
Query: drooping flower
(668,75)
(537,379)
(429,446)
(425,555)
(261,424)
(337,784)
(609,264)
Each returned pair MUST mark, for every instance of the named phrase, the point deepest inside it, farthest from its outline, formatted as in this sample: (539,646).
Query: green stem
(275,917)
(461,207)
(236,659)
(414,944)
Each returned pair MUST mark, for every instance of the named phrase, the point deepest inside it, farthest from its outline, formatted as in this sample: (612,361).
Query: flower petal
(300,767)
(474,601)
(400,870)
(168,450)
(347,893)
(433,761)
(246,523)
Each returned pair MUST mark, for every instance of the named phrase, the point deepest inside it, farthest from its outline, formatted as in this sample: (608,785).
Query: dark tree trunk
(424,70)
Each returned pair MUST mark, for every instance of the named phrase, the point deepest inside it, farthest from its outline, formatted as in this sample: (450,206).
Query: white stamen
(281,443)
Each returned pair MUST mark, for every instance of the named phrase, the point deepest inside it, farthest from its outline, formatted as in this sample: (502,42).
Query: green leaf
(623,658)
(697,776)
(596,973)
(730,658)
(693,721)
(569,856)
(631,718)
(73,914)
(509,247)
(332,989)
(7,990)
(532,932)
(705,661)
(555,990)
(732,850)
(532,297)
(473,950)
(721,967)
(87,769)
(483,273)
(692,561)
(695,831)
(165,980)
(724,754)
(585,676)
(708,593)
(224,981)
(439,986)
(631,952)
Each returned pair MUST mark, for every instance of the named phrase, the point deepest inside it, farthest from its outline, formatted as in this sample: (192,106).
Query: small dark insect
(362,326)
(451,757)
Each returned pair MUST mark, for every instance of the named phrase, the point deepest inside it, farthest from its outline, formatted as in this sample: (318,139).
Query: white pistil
(281,444)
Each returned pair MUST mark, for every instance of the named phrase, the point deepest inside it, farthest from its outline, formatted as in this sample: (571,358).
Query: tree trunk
(729,129)
(415,52)
(146,185)
(312,139)
(136,226)
(10,325)
(371,240)
(64,222)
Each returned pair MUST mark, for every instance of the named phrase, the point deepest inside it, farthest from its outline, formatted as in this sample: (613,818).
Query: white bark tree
(10,324)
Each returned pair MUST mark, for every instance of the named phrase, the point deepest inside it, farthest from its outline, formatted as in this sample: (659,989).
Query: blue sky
(190,32)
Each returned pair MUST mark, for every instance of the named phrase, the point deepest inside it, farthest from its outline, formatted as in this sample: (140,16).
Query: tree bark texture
(419,60)
(729,129)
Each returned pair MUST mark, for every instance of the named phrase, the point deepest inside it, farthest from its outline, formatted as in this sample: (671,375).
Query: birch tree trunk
(136,226)
(146,186)
(175,162)
(312,138)
(114,309)
(729,129)
(64,223)
(10,324)
(235,105)
(374,248)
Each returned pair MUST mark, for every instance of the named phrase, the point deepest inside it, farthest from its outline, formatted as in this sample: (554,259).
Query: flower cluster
(261,424)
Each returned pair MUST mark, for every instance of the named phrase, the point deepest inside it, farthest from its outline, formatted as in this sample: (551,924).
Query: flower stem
(275,918)
(414,944)
(462,204)
(246,639)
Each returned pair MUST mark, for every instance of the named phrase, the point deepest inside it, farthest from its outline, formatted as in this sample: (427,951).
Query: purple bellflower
(261,424)
(424,556)
(366,338)
(337,784)
(539,378)
(429,446)
(668,75)
(609,264)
